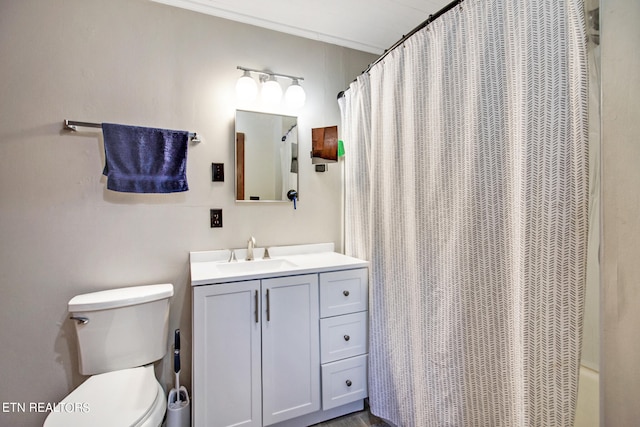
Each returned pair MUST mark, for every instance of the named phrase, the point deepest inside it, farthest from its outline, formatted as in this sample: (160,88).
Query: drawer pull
(348,382)
(345,293)
(347,337)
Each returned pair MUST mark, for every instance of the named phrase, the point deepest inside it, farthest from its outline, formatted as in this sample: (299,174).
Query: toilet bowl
(128,397)
(120,332)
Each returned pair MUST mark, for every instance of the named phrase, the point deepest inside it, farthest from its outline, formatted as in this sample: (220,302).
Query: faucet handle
(232,256)
(266,254)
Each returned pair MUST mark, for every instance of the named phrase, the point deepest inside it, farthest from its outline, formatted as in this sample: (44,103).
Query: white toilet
(121,332)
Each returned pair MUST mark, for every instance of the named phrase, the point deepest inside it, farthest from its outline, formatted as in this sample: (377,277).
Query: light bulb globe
(295,96)
(271,91)
(246,88)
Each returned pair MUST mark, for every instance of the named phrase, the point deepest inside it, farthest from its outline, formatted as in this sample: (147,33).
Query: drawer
(344,381)
(343,292)
(343,336)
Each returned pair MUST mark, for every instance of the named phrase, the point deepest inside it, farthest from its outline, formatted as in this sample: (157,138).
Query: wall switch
(217,171)
(216,218)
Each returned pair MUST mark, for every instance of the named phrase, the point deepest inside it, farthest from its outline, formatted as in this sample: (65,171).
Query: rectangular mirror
(266,156)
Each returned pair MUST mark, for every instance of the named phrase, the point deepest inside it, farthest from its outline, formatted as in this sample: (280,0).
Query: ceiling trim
(271,25)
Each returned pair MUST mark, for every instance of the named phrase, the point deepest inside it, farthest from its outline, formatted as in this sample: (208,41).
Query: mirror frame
(240,159)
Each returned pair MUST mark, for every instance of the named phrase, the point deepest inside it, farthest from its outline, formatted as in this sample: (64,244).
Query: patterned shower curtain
(466,187)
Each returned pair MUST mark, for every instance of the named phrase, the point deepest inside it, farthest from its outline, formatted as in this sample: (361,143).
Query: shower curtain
(466,187)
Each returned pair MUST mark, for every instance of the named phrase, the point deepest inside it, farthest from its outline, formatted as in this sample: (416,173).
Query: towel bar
(74,125)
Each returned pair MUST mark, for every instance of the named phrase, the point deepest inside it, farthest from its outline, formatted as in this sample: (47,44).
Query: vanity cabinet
(278,342)
(255,351)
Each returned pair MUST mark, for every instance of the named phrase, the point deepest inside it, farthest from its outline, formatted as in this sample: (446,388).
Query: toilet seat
(128,397)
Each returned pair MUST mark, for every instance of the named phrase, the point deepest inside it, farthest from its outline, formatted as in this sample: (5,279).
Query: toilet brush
(178,411)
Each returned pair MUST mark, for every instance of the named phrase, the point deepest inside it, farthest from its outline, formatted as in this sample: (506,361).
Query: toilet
(120,333)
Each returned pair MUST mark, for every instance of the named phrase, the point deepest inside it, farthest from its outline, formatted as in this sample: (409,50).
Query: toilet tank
(121,328)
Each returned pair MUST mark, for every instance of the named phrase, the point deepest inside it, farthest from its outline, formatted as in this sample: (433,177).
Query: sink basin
(255,266)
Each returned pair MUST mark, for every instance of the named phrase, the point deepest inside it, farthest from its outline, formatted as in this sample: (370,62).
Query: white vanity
(279,341)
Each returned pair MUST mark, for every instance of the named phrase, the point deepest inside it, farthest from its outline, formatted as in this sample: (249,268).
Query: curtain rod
(73,125)
(426,22)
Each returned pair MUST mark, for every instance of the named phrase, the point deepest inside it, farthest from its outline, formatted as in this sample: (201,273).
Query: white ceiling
(367,25)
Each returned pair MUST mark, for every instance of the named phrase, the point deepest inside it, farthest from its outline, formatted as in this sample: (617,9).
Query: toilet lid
(119,398)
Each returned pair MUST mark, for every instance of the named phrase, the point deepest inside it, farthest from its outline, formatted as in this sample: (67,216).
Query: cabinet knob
(347,337)
(348,382)
(345,293)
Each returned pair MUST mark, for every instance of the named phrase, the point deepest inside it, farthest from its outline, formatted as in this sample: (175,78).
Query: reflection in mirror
(266,156)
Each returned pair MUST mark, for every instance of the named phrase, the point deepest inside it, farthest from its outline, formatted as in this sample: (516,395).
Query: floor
(357,419)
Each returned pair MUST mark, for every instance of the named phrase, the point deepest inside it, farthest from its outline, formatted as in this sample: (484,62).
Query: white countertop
(210,267)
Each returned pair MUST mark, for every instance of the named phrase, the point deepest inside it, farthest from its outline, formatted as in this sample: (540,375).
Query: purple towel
(145,160)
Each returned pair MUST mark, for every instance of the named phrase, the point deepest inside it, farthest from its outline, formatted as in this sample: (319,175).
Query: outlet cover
(216,218)
(217,172)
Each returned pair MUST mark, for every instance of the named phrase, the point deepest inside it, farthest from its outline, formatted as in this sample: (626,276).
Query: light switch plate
(217,172)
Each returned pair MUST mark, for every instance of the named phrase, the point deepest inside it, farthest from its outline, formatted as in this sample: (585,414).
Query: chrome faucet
(250,245)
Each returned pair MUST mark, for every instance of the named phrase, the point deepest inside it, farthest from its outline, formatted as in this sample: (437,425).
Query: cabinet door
(290,347)
(226,355)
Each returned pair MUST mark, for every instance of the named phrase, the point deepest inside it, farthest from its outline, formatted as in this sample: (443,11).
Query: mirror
(266,156)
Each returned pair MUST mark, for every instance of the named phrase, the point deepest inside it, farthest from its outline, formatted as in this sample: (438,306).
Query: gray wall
(620,303)
(141,63)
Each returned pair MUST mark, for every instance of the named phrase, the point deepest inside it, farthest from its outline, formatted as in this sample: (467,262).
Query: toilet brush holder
(178,408)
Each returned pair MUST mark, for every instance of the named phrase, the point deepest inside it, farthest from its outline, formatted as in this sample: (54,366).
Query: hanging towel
(145,160)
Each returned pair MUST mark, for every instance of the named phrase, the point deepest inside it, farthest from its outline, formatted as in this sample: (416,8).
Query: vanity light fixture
(271,91)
